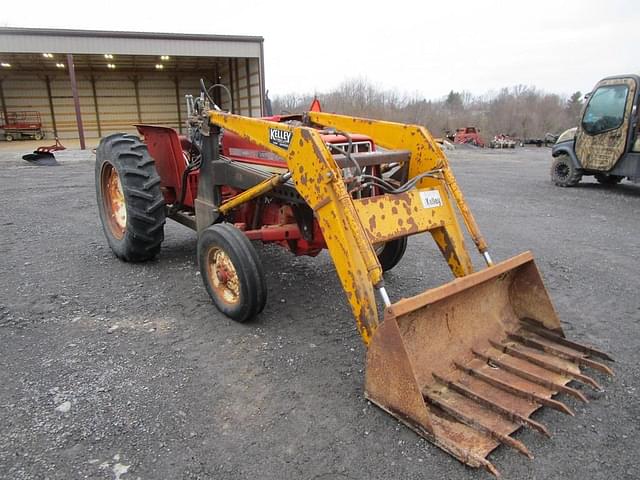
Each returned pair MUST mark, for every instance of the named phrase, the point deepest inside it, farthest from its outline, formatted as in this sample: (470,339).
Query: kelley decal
(430,198)
(280,138)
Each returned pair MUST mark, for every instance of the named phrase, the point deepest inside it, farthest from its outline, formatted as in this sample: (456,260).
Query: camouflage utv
(606,144)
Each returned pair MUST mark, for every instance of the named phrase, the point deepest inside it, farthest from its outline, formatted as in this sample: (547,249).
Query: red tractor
(166,180)
(442,361)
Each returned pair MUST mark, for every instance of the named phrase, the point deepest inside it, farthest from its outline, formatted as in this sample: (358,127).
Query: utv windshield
(606,109)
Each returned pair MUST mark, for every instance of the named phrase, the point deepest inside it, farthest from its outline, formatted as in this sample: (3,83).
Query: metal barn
(86,84)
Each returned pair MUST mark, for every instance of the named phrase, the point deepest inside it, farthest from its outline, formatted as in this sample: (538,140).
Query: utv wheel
(390,254)
(605,179)
(8,137)
(564,173)
(38,136)
(231,272)
(130,202)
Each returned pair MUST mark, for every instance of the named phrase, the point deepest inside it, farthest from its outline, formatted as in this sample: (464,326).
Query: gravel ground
(117,371)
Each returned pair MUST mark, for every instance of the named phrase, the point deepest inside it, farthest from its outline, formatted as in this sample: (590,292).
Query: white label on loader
(430,198)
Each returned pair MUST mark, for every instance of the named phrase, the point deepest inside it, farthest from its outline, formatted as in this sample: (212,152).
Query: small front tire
(390,253)
(564,173)
(232,272)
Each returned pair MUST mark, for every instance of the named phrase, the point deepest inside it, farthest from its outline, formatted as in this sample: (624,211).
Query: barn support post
(248,73)
(95,104)
(4,102)
(217,94)
(233,110)
(76,99)
(263,91)
(136,89)
(176,81)
(237,87)
(47,81)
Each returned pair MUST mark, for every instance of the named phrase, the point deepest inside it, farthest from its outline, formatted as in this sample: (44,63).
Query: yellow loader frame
(351,226)
(465,364)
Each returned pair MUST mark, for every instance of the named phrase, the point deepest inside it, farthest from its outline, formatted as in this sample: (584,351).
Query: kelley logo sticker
(280,138)
(430,198)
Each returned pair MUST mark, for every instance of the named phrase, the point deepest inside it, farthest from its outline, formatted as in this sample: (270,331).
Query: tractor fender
(566,148)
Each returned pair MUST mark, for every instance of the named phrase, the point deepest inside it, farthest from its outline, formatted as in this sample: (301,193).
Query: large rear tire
(564,173)
(232,272)
(130,201)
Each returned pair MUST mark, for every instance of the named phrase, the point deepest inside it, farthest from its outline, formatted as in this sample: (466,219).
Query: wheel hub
(114,202)
(562,170)
(223,277)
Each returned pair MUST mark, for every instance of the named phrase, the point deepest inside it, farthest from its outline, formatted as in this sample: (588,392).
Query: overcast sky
(421,47)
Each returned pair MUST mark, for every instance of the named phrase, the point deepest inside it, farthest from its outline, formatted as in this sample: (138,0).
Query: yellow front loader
(464,364)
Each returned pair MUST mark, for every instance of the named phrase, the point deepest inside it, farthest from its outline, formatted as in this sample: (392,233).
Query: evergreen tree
(574,106)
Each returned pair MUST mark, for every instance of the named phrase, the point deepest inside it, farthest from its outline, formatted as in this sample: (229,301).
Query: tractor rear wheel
(605,179)
(130,201)
(564,173)
(232,272)
(390,254)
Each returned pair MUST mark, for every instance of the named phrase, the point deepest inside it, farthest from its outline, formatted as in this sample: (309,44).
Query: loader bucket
(467,363)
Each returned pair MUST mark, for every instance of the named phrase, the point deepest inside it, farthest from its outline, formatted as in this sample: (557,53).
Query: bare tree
(521,111)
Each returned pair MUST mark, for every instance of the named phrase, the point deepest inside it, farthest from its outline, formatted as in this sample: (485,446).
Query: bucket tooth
(473,423)
(491,405)
(538,329)
(545,346)
(555,404)
(515,353)
(531,377)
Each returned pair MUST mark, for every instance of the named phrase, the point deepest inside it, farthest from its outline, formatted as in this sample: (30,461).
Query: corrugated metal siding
(132,46)
(116,103)
(116,98)
(22,92)
(245,89)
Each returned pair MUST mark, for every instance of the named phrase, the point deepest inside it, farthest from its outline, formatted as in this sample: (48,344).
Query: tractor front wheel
(130,202)
(390,253)
(231,272)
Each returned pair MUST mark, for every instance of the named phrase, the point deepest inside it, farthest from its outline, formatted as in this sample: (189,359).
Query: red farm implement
(21,125)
